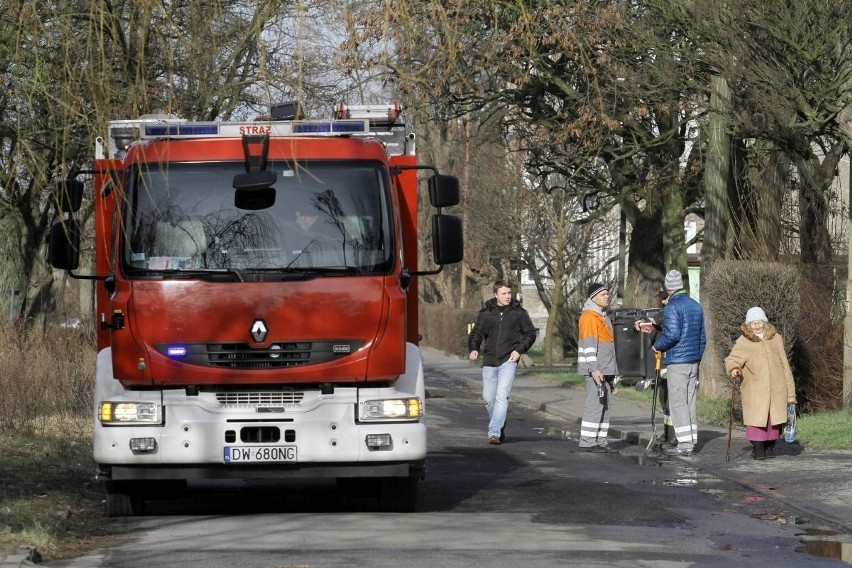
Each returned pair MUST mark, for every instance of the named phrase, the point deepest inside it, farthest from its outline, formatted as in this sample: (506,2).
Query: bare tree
(789,70)
(71,67)
(587,96)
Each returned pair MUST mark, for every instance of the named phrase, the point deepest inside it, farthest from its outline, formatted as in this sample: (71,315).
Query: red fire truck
(257,301)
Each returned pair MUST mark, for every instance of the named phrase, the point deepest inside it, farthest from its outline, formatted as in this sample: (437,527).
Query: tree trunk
(814,206)
(645,264)
(556,303)
(717,168)
(770,183)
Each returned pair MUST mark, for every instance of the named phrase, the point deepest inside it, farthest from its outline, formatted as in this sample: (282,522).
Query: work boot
(758,450)
(669,440)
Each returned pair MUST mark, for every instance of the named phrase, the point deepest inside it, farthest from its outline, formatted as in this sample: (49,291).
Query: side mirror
(64,245)
(405,278)
(447,239)
(443,190)
(68,194)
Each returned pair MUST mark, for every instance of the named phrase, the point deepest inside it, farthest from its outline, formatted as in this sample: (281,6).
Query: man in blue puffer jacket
(682,341)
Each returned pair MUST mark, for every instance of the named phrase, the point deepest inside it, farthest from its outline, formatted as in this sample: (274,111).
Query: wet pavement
(814,484)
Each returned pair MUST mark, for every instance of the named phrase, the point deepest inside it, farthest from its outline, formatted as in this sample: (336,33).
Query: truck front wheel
(124,499)
(398,494)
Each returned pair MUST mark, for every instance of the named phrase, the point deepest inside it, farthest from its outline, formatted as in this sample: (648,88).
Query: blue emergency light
(177,351)
(330,127)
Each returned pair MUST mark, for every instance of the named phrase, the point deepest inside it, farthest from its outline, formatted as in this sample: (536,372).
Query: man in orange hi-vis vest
(596,362)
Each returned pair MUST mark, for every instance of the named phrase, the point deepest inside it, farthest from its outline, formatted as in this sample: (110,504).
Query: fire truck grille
(279,354)
(257,398)
(241,356)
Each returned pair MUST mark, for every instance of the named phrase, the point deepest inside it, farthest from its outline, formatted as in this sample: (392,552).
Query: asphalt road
(534,501)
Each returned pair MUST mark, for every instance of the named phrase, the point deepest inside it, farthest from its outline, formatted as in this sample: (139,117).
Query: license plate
(257,454)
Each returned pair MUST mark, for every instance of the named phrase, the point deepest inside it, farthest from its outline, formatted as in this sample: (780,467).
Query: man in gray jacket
(507,332)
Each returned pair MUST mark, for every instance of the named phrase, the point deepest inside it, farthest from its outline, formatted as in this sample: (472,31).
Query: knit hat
(755,314)
(596,288)
(674,281)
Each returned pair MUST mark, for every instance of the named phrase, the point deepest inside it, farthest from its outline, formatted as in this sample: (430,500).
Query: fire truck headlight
(391,409)
(129,413)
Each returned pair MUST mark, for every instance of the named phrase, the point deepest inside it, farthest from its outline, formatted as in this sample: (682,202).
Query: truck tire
(358,486)
(398,494)
(124,499)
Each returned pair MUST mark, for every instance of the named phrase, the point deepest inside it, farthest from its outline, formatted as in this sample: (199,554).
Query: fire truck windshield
(327,215)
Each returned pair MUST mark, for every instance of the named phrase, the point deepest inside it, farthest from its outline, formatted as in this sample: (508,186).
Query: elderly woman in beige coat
(758,356)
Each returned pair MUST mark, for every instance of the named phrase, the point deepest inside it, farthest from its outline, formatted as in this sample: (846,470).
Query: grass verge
(826,430)
(49,496)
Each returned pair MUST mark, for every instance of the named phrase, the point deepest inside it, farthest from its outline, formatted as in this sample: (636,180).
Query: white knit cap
(673,281)
(755,314)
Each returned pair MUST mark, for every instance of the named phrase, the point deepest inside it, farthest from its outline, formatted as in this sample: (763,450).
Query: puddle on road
(552,432)
(651,459)
(816,542)
(836,549)
(683,476)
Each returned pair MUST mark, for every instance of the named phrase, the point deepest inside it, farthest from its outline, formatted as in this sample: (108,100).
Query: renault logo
(258,330)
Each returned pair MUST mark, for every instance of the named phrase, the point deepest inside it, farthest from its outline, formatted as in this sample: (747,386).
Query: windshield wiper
(249,274)
(210,275)
(311,270)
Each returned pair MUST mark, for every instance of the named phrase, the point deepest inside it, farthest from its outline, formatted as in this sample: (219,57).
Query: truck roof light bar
(239,129)
(124,132)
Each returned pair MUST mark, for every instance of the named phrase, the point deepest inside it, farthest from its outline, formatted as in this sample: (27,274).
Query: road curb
(25,556)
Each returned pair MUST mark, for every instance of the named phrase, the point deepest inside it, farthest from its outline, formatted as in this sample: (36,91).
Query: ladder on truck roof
(374,121)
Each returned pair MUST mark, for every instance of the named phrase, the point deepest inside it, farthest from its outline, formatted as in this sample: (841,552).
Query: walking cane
(731,418)
(658,363)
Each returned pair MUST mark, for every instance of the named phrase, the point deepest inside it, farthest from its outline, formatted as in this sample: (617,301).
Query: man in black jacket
(508,332)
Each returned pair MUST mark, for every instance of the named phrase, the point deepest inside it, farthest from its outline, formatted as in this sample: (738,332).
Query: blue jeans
(496,387)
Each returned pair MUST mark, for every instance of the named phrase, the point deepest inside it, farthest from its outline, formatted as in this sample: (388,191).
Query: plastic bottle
(790,427)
